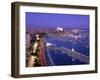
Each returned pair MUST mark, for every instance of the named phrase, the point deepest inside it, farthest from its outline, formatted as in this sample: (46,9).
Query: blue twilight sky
(48,20)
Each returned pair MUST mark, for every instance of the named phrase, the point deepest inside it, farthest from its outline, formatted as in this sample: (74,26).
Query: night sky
(50,20)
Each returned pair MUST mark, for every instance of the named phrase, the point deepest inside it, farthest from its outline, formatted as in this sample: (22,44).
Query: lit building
(59,29)
(27,40)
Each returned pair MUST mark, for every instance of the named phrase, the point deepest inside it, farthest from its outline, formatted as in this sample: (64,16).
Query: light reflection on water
(58,58)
